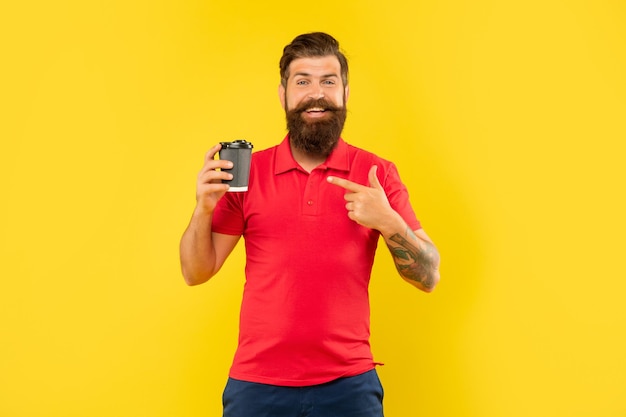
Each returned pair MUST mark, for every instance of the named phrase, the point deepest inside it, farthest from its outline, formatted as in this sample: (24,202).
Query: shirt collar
(338,159)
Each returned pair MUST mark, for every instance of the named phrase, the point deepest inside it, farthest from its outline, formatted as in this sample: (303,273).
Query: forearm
(197,252)
(415,258)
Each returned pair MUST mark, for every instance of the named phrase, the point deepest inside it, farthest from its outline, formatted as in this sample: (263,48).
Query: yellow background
(507,122)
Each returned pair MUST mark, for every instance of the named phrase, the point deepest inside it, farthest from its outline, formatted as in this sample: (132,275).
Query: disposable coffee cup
(239,153)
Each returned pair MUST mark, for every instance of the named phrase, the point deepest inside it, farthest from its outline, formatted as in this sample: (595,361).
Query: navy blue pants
(356,396)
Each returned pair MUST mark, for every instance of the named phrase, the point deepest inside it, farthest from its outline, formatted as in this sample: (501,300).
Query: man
(311,221)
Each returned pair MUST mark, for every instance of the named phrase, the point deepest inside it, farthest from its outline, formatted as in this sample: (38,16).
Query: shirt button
(310,202)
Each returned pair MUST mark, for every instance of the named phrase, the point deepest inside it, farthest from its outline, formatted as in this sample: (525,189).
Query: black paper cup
(239,153)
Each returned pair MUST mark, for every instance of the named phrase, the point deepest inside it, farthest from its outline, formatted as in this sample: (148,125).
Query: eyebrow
(306,74)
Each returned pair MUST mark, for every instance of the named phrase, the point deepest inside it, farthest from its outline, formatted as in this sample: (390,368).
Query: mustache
(320,102)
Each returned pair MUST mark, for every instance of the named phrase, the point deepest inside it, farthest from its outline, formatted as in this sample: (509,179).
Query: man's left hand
(367,205)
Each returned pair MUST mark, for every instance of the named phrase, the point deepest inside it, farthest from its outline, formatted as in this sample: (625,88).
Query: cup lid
(238,144)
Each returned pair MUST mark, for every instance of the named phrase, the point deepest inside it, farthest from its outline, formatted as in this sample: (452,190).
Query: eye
(328,82)
(302,82)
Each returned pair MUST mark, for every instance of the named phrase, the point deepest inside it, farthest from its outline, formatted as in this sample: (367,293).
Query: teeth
(315,109)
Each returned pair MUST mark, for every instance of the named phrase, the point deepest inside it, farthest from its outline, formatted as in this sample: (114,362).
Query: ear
(281,95)
(346,94)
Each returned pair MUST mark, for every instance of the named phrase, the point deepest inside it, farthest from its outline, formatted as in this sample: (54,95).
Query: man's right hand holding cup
(209,187)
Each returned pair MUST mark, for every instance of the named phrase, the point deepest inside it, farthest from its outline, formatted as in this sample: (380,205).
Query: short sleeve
(398,197)
(228,217)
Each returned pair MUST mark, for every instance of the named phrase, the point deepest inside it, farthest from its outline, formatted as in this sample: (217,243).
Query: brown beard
(317,137)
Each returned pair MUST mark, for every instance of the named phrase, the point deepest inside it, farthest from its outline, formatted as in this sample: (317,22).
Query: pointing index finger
(347,184)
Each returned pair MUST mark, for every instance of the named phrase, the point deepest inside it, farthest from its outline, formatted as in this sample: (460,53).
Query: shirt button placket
(310,194)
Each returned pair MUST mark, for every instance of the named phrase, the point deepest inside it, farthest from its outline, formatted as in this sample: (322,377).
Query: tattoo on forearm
(416,263)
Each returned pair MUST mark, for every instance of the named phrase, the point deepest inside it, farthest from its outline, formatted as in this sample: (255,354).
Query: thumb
(373,179)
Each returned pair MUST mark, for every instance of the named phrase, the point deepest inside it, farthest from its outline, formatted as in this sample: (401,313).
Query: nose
(316,92)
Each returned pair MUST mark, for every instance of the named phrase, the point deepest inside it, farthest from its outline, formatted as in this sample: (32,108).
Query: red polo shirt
(305,310)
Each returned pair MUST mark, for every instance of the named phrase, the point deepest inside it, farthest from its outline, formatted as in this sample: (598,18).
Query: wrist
(202,213)
(394,225)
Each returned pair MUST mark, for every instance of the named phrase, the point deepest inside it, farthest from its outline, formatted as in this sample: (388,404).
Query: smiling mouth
(315,110)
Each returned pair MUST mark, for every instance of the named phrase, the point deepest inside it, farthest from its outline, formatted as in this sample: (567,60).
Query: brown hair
(309,45)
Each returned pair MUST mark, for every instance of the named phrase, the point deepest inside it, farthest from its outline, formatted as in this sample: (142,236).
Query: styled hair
(312,45)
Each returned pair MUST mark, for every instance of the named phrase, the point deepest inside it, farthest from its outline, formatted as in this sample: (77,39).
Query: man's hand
(414,254)
(209,187)
(368,205)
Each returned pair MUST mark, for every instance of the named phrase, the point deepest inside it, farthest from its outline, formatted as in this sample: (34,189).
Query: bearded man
(311,220)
